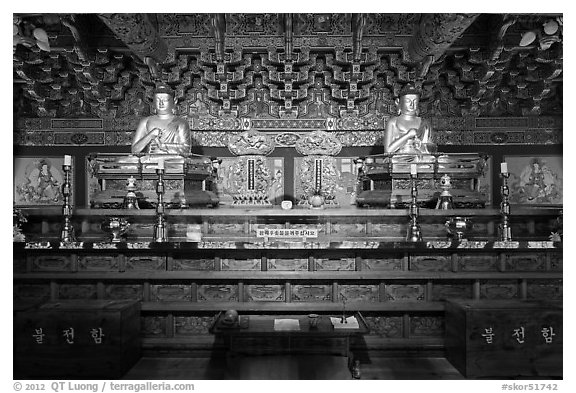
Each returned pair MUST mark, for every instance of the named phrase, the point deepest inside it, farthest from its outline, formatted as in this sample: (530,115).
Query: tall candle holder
(67,234)
(160,232)
(414,231)
(505,232)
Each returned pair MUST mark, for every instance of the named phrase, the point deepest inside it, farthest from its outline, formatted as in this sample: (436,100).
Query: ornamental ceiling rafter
(292,66)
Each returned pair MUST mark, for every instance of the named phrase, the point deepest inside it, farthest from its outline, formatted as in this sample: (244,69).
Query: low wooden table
(255,335)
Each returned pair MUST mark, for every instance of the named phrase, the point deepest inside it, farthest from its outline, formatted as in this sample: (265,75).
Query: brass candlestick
(505,232)
(445,200)
(414,232)
(130,199)
(67,233)
(160,232)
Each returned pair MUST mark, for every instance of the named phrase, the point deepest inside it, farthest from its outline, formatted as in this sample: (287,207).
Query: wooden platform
(290,368)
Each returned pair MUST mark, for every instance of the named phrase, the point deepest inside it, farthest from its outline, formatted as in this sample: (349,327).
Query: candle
(503,168)
(68,160)
(413,169)
(161,164)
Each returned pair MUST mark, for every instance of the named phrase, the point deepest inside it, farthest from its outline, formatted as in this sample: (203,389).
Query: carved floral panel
(79,291)
(426,326)
(556,262)
(221,228)
(240,264)
(145,263)
(264,293)
(311,293)
(395,292)
(97,263)
(390,327)
(193,264)
(217,293)
(300,264)
(31,292)
(525,262)
(190,326)
(543,289)
(153,326)
(478,262)
(384,264)
(54,263)
(358,293)
(442,290)
(498,289)
(124,291)
(335,264)
(170,293)
(430,262)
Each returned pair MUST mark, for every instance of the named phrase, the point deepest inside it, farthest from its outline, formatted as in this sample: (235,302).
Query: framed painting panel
(535,180)
(38,181)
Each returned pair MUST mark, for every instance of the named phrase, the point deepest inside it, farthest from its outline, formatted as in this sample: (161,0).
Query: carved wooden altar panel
(430,262)
(407,292)
(265,293)
(146,263)
(32,292)
(294,264)
(385,326)
(77,291)
(170,293)
(451,290)
(334,264)
(311,293)
(182,263)
(477,262)
(384,263)
(499,289)
(124,291)
(218,293)
(539,289)
(358,293)
(526,262)
(153,326)
(55,263)
(427,326)
(98,263)
(191,325)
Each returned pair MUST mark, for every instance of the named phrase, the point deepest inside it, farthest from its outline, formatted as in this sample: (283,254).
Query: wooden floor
(290,367)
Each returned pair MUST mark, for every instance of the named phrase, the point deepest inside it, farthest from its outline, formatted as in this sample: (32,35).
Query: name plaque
(263,231)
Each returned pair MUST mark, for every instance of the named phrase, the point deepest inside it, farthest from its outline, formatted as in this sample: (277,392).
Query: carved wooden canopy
(345,67)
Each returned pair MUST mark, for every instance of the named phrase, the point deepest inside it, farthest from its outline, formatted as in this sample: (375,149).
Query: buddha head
(408,100)
(164,100)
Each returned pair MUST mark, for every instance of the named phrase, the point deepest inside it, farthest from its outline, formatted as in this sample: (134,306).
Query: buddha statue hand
(417,143)
(412,132)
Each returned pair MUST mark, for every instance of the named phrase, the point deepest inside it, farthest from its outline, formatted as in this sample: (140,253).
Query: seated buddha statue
(408,133)
(163,134)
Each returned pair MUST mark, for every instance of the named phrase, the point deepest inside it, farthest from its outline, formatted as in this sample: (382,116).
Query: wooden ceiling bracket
(434,35)
(139,34)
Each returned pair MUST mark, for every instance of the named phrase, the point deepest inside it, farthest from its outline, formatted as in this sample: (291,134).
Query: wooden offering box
(504,338)
(77,339)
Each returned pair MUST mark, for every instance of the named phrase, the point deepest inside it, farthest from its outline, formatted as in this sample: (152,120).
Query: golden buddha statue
(164,133)
(408,133)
